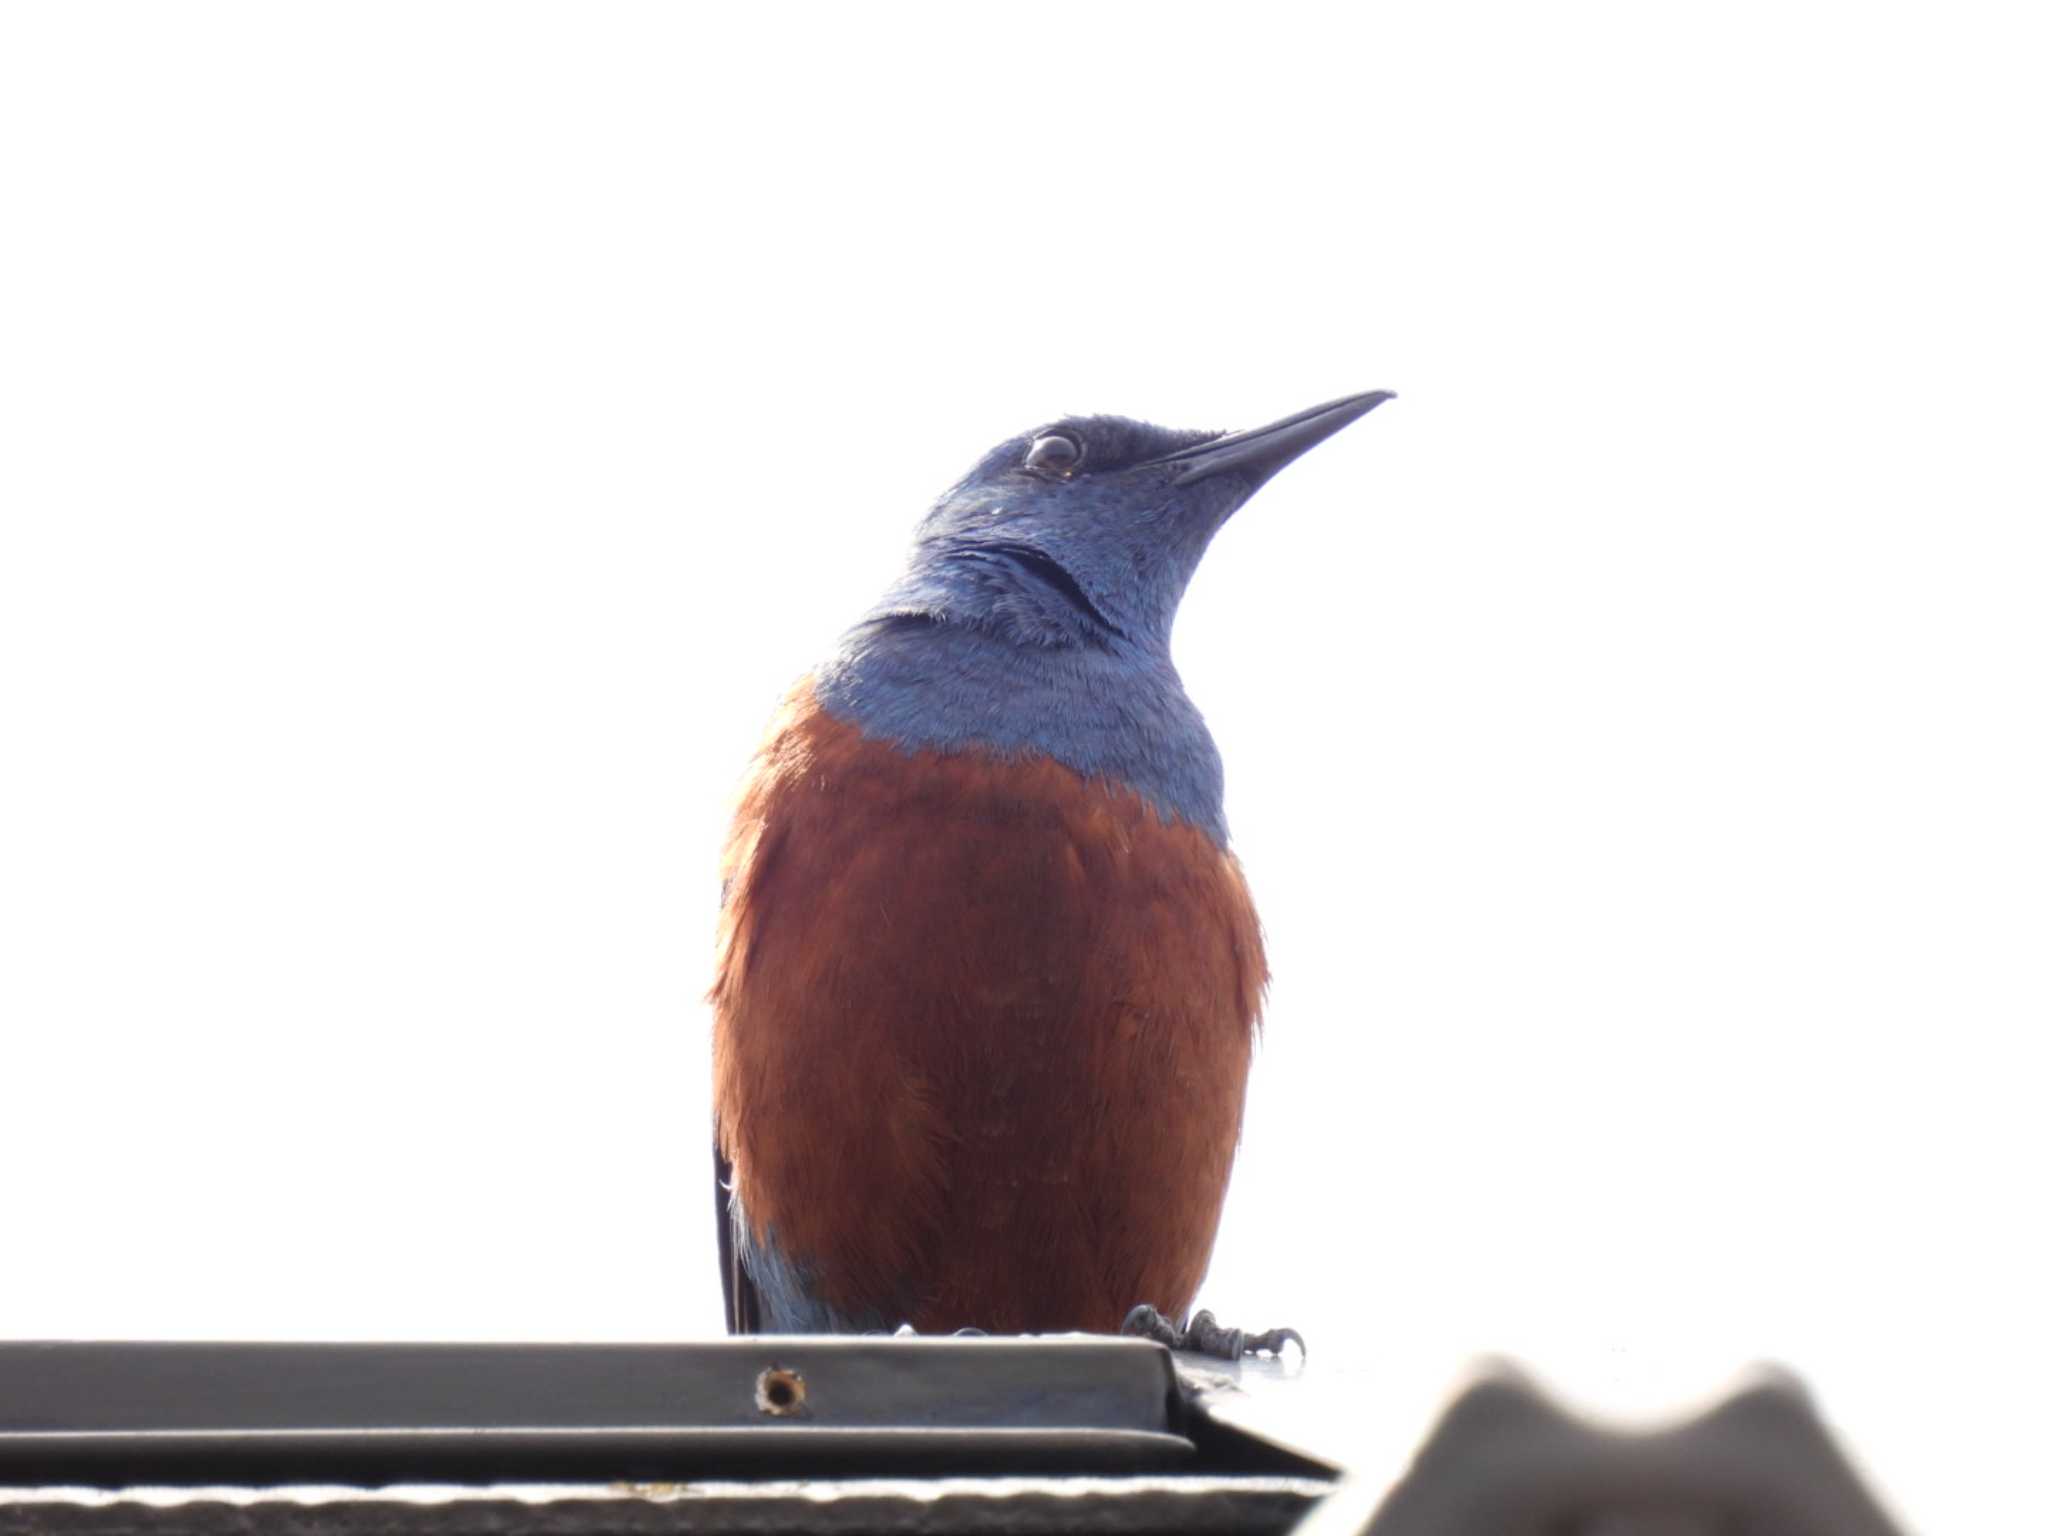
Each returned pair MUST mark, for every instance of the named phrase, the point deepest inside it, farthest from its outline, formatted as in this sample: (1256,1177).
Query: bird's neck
(923,681)
(1012,590)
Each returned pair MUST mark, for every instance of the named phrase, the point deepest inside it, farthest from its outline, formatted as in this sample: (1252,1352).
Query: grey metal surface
(267,1413)
(1133,1506)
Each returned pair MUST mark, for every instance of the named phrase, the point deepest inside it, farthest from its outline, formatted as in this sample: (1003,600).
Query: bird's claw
(1205,1336)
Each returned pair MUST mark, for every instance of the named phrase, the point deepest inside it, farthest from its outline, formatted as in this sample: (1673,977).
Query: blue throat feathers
(1013,682)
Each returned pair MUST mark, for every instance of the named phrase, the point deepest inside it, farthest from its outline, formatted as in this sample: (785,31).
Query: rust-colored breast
(981,1032)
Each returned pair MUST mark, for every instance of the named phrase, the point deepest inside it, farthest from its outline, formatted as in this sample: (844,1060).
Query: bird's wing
(742,1304)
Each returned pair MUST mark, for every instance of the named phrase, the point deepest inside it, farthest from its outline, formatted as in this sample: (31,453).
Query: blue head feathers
(1037,609)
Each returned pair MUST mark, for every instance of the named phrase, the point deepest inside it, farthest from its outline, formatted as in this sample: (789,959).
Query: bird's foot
(1205,1336)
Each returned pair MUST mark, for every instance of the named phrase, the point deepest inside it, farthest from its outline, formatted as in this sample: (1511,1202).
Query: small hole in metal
(779,1392)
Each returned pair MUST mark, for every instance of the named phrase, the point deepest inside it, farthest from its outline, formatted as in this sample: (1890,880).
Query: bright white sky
(431,438)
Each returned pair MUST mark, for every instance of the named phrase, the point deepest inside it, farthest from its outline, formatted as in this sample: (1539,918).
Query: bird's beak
(1264,451)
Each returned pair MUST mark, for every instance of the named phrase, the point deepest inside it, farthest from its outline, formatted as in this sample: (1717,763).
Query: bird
(987,974)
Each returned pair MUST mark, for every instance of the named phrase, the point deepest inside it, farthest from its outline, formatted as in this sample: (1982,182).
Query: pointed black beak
(1264,451)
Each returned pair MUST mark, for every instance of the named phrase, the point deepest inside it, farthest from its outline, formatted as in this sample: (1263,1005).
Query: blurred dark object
(1505,1460)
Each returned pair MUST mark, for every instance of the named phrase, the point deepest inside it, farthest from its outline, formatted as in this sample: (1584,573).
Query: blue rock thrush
(987,972)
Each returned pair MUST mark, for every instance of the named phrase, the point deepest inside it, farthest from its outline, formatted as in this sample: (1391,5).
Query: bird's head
(1087,531)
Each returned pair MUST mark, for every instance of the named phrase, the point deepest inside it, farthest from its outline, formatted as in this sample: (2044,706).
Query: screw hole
(779,1392)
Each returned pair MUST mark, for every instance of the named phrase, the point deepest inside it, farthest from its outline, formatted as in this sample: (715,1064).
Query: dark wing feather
(742,1305)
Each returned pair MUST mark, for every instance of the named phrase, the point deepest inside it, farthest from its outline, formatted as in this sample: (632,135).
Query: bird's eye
(1053,454)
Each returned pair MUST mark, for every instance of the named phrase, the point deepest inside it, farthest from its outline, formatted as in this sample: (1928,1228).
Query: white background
(432,437)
